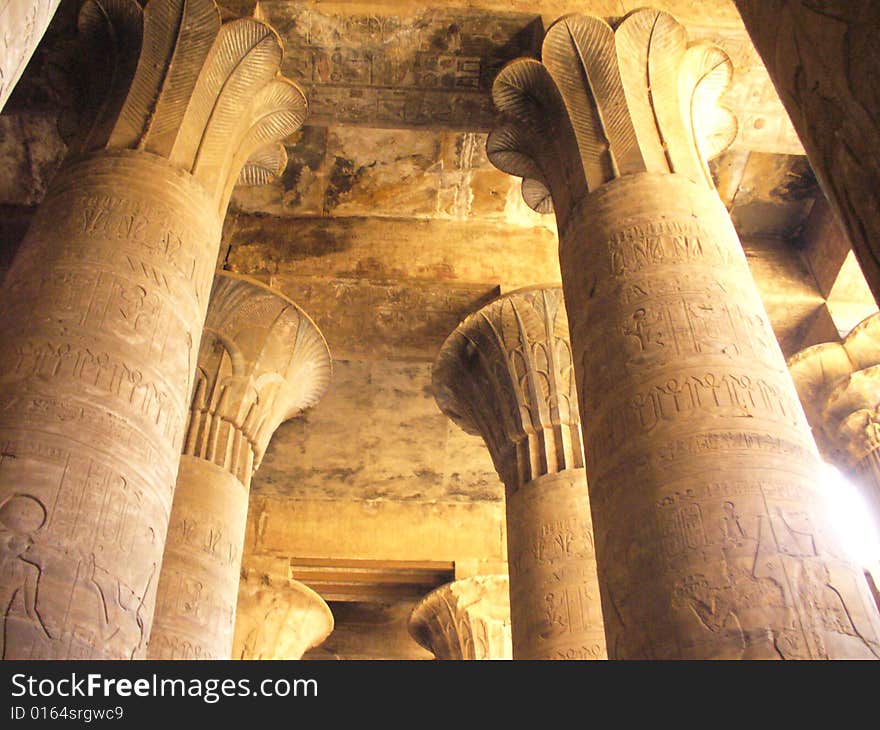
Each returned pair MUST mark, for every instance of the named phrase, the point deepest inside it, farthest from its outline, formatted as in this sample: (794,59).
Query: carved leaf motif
(113,32)
(508,148)
(192,25)
(666,49)
(277,111)
(542,132)
(264,165)
(632,44)
(706,73)
(579,51)
(244,57)
(537,196)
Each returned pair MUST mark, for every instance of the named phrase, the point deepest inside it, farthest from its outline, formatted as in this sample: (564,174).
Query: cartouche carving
(102,312)
(506,373)
(465,619)
(279,620)
(262,361)
(710,539)
(839,386)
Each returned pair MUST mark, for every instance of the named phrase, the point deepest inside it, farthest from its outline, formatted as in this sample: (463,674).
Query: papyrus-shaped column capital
(171,79)
(603,103)
(506,374)
(465,619)
(279,620)
(262,361)
(839,387)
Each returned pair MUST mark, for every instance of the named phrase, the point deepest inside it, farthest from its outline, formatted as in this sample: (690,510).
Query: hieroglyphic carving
(839,386)
(262,361)
(506,373)
(465,619)
(820,57)
(279,620)
(694,437)
(101,315)
(554,592)
(434,67)
(22,24)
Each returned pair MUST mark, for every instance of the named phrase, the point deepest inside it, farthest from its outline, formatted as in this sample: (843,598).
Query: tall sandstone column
(823,60)
(711,538)
(839,387)
(506,374)
(22,24)
(102,313)
(468,619)
(262,361)
(279,620)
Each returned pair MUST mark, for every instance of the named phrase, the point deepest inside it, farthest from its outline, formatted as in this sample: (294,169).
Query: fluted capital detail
(173,80)
(465,619)
(839,386)
(278,620)
(261,362)
(506,373)
(604,103)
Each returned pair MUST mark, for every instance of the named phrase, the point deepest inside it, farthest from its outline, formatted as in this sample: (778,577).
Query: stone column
(465,619)
(262,361)
(279,621)
(821,57)
(102,312)
(506,374)
(22,24)
(711,539)
(839,387)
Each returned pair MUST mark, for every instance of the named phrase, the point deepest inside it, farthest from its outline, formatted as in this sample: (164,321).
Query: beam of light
(851,518)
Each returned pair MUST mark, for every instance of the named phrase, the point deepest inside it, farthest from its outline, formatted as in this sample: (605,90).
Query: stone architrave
(839,387)
(22,25)
(465,619)
(506,374)
(102,313)
(822,59)
(712,540)
(279,620)
(262,361)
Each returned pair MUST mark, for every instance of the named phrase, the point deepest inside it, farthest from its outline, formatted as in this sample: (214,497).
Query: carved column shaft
(102,312)
(262,361)
(821,57)
(467,619)
(506,374)
(22,24)
(554,597)
(711,540)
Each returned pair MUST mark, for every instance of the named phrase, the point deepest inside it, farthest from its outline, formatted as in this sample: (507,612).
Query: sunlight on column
(851,518)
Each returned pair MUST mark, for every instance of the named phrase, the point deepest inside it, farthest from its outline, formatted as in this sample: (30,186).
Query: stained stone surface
(261,362)
(466,619)
(506,373)
(102,315)
(711,539)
